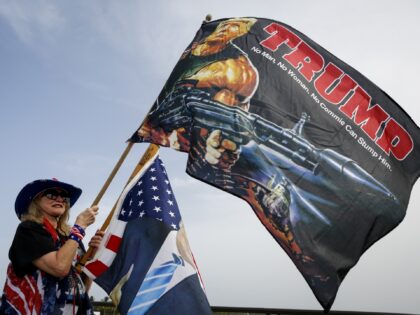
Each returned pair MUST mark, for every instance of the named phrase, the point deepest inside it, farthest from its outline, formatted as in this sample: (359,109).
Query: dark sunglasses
(53,194)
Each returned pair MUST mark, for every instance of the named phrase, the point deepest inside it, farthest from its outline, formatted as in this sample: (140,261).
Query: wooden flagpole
(150,152)
(112,175)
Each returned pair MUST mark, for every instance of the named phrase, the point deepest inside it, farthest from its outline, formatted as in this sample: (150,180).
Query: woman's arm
(58,263)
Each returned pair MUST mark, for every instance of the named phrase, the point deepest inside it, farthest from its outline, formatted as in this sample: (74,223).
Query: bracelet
(75,238)
(81,230)
(77,233)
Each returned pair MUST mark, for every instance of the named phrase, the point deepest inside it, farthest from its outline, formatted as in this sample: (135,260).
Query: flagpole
(112,175)
(150,152)
(207,18)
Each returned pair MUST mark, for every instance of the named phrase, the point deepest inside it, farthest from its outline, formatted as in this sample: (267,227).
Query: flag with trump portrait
(144,262)
(325,158)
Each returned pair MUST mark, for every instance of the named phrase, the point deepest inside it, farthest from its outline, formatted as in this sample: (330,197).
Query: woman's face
(53,202)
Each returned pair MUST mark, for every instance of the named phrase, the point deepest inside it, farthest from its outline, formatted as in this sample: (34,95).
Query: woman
(41,278)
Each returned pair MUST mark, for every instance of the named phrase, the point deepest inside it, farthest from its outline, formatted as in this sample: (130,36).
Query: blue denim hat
(31,190)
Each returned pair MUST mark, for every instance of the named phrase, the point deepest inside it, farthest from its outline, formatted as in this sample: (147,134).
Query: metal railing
(107,308)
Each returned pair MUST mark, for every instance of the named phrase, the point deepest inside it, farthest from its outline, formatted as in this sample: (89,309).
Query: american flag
(149,194)
(145,263)
(152,196)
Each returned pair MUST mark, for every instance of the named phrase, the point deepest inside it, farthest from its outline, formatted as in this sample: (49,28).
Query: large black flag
(324,157)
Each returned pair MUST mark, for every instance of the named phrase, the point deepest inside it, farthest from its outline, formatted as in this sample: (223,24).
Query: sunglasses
(53,194)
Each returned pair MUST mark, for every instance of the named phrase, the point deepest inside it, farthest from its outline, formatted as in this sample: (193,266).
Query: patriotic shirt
(29,290)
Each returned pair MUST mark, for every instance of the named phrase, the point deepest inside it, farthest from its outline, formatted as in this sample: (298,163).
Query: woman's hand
(87,217)
(95,241)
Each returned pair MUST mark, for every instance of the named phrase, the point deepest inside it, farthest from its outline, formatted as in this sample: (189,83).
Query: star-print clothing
(30,291)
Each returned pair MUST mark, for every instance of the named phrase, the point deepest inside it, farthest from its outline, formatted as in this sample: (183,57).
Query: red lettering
(326,80)
(279,35)
(310,60)
(334,85)
(357,107)
(395,139)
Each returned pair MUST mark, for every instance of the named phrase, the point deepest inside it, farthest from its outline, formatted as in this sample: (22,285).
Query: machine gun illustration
(186,107)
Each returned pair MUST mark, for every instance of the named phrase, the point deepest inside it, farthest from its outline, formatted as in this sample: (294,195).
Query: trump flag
(325,158)
(145,263)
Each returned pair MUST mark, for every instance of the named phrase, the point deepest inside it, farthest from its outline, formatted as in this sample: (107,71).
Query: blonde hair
(35,214)
(245,23)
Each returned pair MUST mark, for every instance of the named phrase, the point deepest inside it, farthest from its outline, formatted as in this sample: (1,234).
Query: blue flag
(145,263)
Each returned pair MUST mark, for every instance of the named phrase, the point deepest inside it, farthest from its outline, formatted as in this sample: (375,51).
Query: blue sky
(78,77)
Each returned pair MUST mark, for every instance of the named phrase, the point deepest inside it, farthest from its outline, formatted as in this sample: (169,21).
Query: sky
(78,77)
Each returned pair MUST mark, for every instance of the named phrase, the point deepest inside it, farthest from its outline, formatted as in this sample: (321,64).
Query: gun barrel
(243,126)
(347,173)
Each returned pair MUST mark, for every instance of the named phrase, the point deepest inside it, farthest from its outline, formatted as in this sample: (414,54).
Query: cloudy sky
(77,78)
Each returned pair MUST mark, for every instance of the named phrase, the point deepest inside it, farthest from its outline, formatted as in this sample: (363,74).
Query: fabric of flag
(325,158)
(145,263)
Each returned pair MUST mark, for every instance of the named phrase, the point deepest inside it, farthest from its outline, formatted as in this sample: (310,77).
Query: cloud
(135,30)
(32,21)
(72,167)
(183,182)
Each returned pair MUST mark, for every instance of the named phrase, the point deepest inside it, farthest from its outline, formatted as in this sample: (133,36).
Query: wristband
(75,238)
(77,233)
(81,230)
